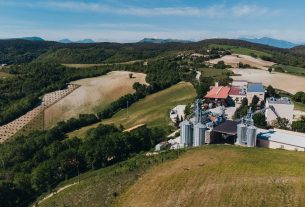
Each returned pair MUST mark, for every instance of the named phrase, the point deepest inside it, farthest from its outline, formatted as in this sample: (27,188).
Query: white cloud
(211,11)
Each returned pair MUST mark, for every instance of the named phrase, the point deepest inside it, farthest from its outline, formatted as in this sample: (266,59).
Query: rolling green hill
(214,175)
(152,110)
(222,176)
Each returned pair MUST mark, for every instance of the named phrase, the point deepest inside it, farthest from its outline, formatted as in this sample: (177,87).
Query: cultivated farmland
(222,176)
(152,110)
(282,81)
(235,59)
(94,94)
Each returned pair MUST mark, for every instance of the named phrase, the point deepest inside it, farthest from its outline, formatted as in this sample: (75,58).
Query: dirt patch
(235,59)
(282,81)
(93,94)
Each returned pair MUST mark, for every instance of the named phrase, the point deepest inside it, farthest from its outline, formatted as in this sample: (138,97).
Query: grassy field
(241,50)
(93,95)
(4,75)
(152,110)
(293,70)
(222,176)
(101,187)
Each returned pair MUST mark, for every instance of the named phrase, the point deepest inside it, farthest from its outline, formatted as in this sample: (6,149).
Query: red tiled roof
(234,91)
(220,92)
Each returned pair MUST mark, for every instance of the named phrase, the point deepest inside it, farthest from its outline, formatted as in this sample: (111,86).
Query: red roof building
(218,92)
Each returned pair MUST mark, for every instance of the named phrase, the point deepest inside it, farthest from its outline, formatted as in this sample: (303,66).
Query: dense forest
(23,51)
(31,165)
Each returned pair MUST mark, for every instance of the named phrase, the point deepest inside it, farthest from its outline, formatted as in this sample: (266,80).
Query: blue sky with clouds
(132,20)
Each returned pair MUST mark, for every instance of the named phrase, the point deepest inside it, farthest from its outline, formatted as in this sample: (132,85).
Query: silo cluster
(192,134)
(246,135)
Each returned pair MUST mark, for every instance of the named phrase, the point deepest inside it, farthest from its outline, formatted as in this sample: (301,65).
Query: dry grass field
(93,95)
(222,176)
(153,110)
(235,59)
(282,81)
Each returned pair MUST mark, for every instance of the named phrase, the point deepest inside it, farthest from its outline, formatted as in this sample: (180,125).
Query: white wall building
(283,108)
(281,139)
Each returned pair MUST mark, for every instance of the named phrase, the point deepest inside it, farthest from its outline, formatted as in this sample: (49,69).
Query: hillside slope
(222,176)
(152,110)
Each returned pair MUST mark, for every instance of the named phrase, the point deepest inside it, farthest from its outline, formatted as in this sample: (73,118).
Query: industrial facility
(207,126)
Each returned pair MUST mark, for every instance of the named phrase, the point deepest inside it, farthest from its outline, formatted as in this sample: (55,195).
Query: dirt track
(92,95)
(285,82)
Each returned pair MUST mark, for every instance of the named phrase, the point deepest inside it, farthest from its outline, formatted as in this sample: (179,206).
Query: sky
(133,20)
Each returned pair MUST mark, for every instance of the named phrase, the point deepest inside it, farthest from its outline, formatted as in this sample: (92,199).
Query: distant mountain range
(264,40)
(162,41)
(38,39)
(271,42)
(79,41)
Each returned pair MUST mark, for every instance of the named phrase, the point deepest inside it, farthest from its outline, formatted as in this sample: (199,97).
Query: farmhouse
(283,107)
(255,89)
(218,94)
(238,93)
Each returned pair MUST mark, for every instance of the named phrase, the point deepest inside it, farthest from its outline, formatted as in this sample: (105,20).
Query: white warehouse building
(281,139)
(283,107)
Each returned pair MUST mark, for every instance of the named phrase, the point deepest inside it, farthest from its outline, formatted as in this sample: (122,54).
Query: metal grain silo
(199,134)
(251,136)
(241,134)
(186,135)
(207,136)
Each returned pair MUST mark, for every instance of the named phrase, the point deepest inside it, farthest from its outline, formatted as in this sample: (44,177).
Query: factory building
(255,89)
(281,139)
(283,107)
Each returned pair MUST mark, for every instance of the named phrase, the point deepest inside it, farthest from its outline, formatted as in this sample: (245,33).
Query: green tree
(281,123)
(270,69)
(260,120)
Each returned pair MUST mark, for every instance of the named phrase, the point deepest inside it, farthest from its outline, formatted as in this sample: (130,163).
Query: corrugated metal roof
(256,87)
(228,127)
(282,136)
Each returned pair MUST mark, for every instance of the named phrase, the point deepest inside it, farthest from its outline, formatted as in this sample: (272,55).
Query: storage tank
(241,134)
(207,136)
(199,134)
(186,133)
(251,136)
